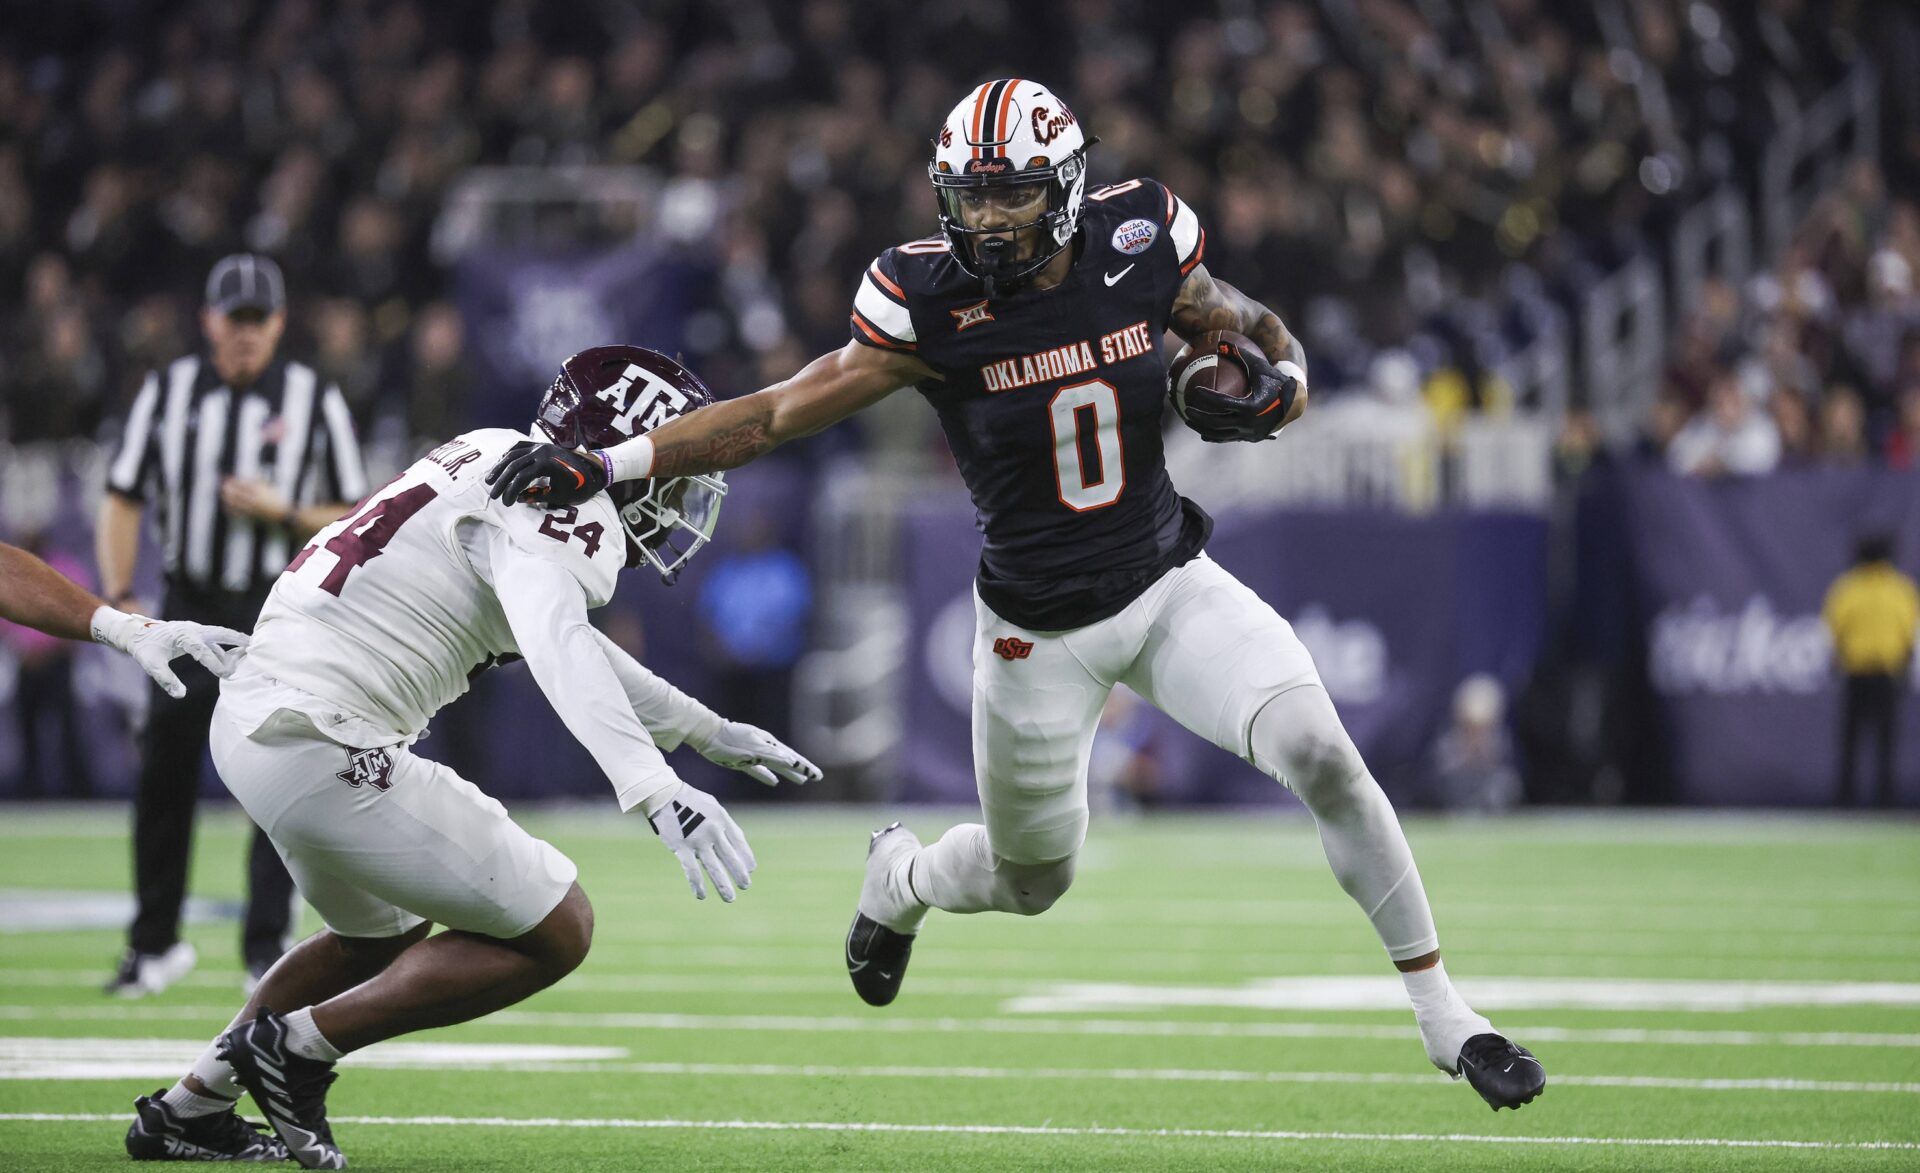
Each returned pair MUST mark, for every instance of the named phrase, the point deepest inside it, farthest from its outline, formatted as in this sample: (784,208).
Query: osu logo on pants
(1010,648)
(368,767)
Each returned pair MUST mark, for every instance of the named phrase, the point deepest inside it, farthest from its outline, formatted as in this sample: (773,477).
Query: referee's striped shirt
(187,431)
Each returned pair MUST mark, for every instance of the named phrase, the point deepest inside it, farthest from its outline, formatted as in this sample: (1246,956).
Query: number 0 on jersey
(1087,458)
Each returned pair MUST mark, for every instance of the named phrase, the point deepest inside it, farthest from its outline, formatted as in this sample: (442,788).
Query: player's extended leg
(286,1060)
(458,976)
(381,843)
(1223,663)
(1036,704)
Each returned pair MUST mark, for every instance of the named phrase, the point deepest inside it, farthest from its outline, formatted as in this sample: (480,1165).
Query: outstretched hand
(704,838)
(758,754)
(556,477)
(154,645)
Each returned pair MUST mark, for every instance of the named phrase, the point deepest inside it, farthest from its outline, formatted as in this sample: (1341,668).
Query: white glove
(697,829)
(758,754)
(154,645)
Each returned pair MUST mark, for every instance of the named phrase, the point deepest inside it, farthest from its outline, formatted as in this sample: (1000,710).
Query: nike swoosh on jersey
(1114,277)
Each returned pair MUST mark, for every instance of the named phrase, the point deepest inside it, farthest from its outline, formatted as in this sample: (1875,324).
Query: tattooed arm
(1206,304)
(725,435)
(734,431)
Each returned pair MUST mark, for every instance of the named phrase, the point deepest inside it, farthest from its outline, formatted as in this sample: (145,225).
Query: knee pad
(1031,888)
(1298,739)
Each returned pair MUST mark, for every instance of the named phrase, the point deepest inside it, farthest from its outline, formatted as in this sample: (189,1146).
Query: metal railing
(508,206)
(1810,148)
(1712,240)
(1624,342)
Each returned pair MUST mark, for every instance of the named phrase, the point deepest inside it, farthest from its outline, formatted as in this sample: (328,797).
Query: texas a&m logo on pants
(1011,648)
(373,767)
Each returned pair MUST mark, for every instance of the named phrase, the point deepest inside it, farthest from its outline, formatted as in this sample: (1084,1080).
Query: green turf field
(1706,993)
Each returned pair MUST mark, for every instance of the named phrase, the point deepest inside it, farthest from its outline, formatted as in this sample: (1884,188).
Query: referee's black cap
(246,281)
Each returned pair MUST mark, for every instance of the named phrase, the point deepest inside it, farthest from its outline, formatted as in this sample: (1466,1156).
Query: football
(1212,364)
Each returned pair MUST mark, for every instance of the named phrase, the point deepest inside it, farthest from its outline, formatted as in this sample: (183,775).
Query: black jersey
(1051,401)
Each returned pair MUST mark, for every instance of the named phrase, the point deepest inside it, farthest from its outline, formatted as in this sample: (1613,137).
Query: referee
(242,457)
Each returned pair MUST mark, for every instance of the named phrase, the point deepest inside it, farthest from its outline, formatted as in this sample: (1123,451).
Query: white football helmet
(1010,169)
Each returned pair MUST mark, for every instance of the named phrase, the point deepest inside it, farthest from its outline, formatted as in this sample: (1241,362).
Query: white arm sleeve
(547,609)
(671,716)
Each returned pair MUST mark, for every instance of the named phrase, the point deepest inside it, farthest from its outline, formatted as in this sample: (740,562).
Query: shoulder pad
(1152,201)
(587,540)
(880,314)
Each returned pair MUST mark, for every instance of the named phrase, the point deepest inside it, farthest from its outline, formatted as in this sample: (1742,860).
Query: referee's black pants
(1868,710)
(171,749)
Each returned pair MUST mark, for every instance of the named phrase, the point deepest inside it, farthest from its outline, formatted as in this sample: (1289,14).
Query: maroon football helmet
(613,393)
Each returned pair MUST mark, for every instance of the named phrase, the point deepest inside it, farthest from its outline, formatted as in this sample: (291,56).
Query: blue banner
(1728,578)
(526,312)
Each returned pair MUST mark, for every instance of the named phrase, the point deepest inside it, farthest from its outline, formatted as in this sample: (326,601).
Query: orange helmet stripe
(979,106)
(1001,133)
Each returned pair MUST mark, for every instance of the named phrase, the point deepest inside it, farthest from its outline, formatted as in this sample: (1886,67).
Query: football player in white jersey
(1032,324)
(375,626)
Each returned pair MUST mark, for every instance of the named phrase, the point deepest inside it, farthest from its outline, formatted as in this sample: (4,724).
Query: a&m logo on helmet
(656,402)
(1135,236)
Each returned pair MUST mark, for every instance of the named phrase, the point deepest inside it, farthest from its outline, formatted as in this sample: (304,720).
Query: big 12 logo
(653,404)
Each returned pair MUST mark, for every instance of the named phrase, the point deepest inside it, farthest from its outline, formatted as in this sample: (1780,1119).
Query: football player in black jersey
(1032,323)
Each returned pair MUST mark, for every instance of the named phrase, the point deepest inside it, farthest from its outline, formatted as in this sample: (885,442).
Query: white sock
(215,1074)
(907,912)
(956,872)
(304,1038)
(1446,1021)
(186,1102)
(960,873)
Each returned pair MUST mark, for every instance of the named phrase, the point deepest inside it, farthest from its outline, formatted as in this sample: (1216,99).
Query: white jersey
(388,613)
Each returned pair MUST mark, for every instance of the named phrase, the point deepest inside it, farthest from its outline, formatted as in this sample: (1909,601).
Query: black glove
(1222,418)
(572,477)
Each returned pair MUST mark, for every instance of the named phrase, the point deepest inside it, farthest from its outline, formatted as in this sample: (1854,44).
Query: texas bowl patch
(1133,237)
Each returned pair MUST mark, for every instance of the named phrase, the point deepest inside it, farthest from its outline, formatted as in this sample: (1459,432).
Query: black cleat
(877,960)
(161,1134)
(1505,1074)
(290,1088)
(877,955)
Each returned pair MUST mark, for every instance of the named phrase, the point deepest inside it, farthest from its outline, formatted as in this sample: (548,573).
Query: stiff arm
(724,435)
(734,431)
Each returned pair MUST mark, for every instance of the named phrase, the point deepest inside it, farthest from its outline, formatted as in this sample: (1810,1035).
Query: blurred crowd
(1814,361)
(1419,177)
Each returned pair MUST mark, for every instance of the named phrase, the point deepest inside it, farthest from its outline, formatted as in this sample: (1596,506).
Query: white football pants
(1208,652)
(379,840)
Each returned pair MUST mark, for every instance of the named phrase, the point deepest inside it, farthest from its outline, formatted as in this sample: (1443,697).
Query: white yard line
(1510,994)
(831,1126)
(1190,1075)
(732,982)
(214,1016)
(98,1059)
